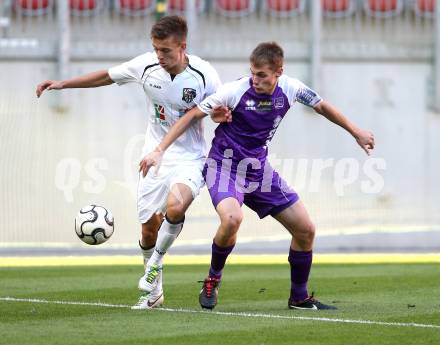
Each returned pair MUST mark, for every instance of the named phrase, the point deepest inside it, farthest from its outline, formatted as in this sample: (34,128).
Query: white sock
(168,233)
(146,253)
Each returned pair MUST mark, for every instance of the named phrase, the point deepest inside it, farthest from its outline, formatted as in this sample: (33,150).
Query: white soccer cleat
(149,301)
(149,281)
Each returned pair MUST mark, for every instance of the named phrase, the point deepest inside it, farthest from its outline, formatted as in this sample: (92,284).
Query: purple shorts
(263,191)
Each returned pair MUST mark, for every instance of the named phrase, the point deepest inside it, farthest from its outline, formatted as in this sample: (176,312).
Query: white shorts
(153,189)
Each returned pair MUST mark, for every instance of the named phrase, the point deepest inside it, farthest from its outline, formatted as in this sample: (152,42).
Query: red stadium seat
(178,6)
(33,4)
(425,8)
(383,8)
(235,8)
(285,8)
(85,7)
(135,7)
(338,8)
(33,7)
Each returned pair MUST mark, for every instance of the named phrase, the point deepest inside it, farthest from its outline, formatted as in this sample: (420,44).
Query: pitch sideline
(364,258)
(220,313)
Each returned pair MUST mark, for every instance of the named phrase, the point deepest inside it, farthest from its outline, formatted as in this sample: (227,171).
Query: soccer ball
(94,224)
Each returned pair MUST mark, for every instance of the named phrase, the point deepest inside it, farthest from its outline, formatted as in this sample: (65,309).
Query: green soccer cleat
(149,300)
(150,279)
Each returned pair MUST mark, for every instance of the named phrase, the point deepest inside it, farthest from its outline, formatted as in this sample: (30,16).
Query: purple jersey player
(237,172)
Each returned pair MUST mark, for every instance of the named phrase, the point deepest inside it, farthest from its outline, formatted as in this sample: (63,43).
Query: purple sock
(300,264)
(218,259)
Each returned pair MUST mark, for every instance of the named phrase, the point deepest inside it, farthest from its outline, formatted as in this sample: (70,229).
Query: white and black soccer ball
(94,224)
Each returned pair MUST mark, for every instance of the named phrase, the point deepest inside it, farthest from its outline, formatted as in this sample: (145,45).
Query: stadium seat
(85,7)
(284,8)
(178,6)
(425,8)
(383,8)
(235,8)
(338,8)
(33,7)
(134,7)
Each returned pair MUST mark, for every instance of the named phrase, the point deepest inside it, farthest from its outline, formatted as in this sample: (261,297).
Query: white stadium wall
(53,163)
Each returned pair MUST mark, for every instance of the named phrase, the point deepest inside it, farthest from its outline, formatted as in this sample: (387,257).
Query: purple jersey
(243,142)
(255,117)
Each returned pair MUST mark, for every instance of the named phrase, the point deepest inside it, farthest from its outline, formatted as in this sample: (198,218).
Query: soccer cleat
(310,303)
(150,279)
(149,301)
(208,294)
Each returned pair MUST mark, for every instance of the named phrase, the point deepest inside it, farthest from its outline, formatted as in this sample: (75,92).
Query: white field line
(221,313)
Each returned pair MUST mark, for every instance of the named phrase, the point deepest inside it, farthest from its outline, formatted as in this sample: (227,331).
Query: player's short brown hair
(268,53)
(168,26)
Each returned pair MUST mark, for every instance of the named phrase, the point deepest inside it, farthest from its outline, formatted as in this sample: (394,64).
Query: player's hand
(221,114)
(152,159)
(49,85)
(365,139)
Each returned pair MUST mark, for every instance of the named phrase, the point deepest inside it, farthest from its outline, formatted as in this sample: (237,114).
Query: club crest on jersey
(188,95)
(279,102)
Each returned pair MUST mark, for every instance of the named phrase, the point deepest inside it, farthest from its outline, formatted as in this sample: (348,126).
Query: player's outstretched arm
(364,138)
(94,79)
(154,158)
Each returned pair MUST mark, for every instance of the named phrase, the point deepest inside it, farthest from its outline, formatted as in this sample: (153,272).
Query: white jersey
(169,99)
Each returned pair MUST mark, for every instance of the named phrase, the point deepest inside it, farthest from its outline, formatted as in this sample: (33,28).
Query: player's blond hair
(170,26)
(268,53)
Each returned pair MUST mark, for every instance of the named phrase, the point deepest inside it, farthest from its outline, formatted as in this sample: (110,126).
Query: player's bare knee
(311,229)
(305,234)
(231,221)
(175,212)
(308,233)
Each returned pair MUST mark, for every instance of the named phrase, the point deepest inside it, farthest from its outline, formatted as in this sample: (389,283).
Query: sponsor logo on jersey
(160,114)
(160,111)
(279,102)
(250,104)
(305,96)
(264,106)
(155,86)
(188,94)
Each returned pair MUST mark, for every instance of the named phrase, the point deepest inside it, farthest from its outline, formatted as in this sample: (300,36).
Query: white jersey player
(173,82)
(168,98)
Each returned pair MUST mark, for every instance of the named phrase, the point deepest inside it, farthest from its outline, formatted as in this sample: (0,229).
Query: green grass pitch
(383,293)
